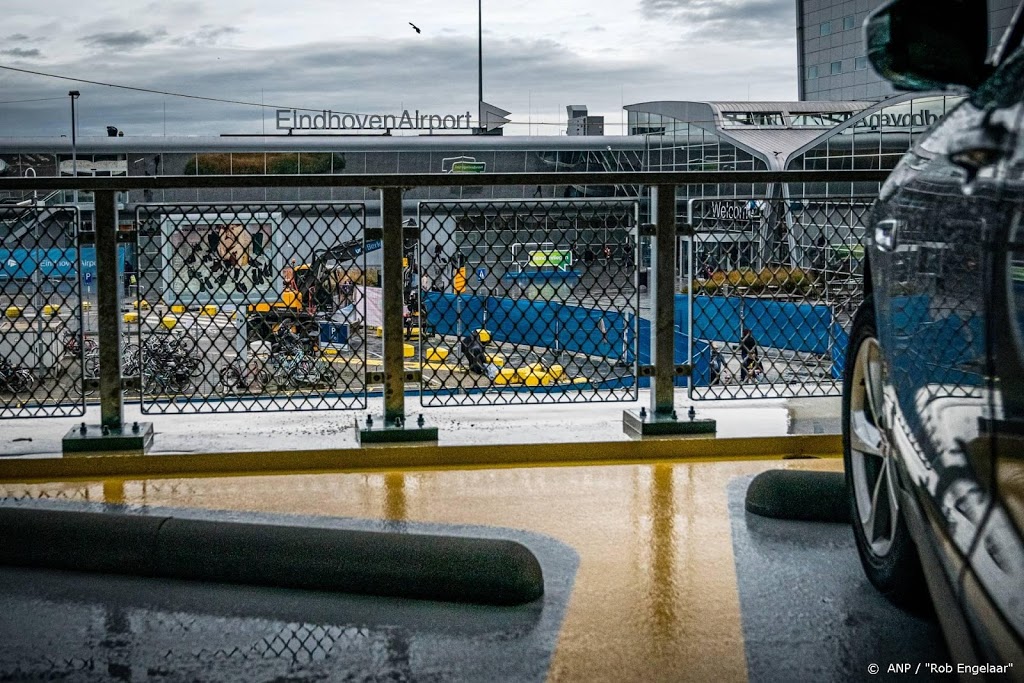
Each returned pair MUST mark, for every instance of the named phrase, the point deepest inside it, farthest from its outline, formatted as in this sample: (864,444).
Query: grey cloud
(21,52)
(125,40)
(208,35)
(17,38)
(726,20)
(371,77)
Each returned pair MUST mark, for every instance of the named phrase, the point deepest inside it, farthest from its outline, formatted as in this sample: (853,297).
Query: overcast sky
(539,56)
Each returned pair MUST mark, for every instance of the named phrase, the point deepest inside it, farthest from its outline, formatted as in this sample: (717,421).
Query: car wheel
(886,549)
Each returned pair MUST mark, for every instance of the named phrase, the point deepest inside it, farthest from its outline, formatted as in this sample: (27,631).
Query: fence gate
(772,289)
(42,346)
(525,302)
(255,307)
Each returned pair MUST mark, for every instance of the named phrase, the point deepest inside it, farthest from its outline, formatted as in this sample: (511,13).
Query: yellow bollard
(131,317)
(436,354)
(13,312)
(210,310)
(86,305)
(50,310)
(178,308)
(141,305)
(169,321)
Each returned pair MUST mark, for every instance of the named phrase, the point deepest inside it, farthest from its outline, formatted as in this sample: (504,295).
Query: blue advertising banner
(52,264)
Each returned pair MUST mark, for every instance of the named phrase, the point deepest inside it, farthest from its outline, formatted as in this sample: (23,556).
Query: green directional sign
(469,166)
(556,258)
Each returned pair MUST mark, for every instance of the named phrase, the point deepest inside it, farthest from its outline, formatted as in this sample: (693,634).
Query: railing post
(109,311)
(111,434)
(662,419)
(392,295)
(663,257)
(393,428)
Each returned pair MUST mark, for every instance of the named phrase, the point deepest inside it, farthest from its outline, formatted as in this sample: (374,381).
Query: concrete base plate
(649,424)
(379,432)
(89,439)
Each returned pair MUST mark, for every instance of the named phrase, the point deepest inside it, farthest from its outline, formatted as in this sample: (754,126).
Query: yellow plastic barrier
(378,332)
(485,336)
(50,310)
(408,350)
(13,312)
(169,321)
(179,309)
(556,372)
(141,305)
(535,379)
(210,310)
(86,305)
(507,376)
(496,359)
(436,354)
(131,317)
(523,372)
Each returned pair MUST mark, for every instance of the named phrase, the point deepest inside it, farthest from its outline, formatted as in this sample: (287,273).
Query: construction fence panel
(44,345)
(770,294)
(524,302)
(254,307)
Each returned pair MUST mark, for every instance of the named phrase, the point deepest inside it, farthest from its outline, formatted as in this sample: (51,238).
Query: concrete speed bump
(799,495)
(421,566)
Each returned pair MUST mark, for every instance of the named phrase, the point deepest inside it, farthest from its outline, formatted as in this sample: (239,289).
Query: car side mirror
(929,44)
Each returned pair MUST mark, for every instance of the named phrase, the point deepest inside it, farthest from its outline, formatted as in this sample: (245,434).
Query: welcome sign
(293,119)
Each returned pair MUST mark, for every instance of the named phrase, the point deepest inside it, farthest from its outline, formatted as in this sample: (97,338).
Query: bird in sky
(415,27)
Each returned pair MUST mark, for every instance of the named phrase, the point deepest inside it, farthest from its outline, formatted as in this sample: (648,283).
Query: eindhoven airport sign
(293,119)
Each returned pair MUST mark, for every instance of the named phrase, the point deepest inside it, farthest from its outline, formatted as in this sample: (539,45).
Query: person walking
(749,356)
(717,364)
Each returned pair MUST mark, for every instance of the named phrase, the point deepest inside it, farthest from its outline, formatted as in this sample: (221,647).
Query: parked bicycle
(75,343)
(16,380)
(242,376)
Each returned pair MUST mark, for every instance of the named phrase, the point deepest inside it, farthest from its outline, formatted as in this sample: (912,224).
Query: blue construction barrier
(538,323)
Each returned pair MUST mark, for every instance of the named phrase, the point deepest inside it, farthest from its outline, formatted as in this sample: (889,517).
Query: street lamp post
(480,62)
(74,95)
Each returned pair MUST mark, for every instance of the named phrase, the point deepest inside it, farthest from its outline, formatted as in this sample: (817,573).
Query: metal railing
(559,294)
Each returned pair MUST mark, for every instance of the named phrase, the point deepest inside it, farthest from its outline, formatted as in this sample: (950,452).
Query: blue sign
(53,264)
(481,273)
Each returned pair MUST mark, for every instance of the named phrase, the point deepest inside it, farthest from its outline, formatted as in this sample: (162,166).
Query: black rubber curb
(799,495)
(421,566)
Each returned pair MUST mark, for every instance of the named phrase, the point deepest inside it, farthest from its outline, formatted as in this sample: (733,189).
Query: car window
(1005,87)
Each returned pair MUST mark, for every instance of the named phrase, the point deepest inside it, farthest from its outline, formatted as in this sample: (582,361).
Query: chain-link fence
(525,302)
(43,344)
(773,286)
(238,308)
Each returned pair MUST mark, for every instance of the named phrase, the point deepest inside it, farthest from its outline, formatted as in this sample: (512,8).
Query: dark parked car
(933,401)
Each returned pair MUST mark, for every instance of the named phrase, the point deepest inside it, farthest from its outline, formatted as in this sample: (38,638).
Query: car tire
(887,552)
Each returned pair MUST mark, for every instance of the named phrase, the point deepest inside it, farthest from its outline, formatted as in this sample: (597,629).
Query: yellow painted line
(418,457)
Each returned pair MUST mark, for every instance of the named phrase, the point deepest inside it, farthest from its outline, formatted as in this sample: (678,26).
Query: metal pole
(480,62)
(394,364)
(663,261)
(74,95)
(109,305)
